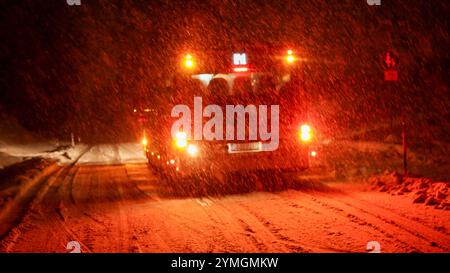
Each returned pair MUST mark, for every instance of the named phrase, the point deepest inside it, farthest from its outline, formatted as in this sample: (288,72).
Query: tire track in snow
(128,233)
(291,244)
(218,217)
(357,222)
(262,235)
(31,204)
(441,240)
(409,217)
(297,245)
(402,234)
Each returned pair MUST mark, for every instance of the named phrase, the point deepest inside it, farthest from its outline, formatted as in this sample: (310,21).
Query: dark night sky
(82,68)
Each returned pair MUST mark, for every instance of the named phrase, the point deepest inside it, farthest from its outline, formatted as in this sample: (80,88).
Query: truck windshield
(243,88)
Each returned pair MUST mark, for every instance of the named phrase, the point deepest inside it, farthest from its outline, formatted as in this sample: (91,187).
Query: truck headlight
(192,150)
(181,139)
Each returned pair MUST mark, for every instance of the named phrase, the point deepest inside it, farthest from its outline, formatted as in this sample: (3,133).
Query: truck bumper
(294,157)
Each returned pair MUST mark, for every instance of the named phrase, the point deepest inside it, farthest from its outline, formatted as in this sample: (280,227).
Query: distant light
(313,153)
(240,69)
(134,110)
(158,156)
(289,52)
(144,141)
(147,110)
(172,161)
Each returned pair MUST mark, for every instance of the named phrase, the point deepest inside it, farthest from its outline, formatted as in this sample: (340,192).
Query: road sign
(391,60)
(390,63)
(390,75)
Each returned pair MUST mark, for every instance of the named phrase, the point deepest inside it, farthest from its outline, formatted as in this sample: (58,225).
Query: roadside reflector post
(72,139)
(390,63)
(405,147)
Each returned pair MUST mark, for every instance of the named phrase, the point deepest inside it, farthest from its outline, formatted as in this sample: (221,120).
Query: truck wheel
(152,167)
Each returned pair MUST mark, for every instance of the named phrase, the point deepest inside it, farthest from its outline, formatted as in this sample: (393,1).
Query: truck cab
(240,121)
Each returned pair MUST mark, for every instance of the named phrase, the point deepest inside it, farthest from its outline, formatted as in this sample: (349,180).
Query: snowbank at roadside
(17,145)
(14,153)
(17,177)
(63,153)
(422,190)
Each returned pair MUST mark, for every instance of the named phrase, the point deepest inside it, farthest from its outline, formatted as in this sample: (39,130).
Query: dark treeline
(83,68)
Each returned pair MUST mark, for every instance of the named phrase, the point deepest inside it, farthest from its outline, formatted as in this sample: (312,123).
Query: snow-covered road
(109,201)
